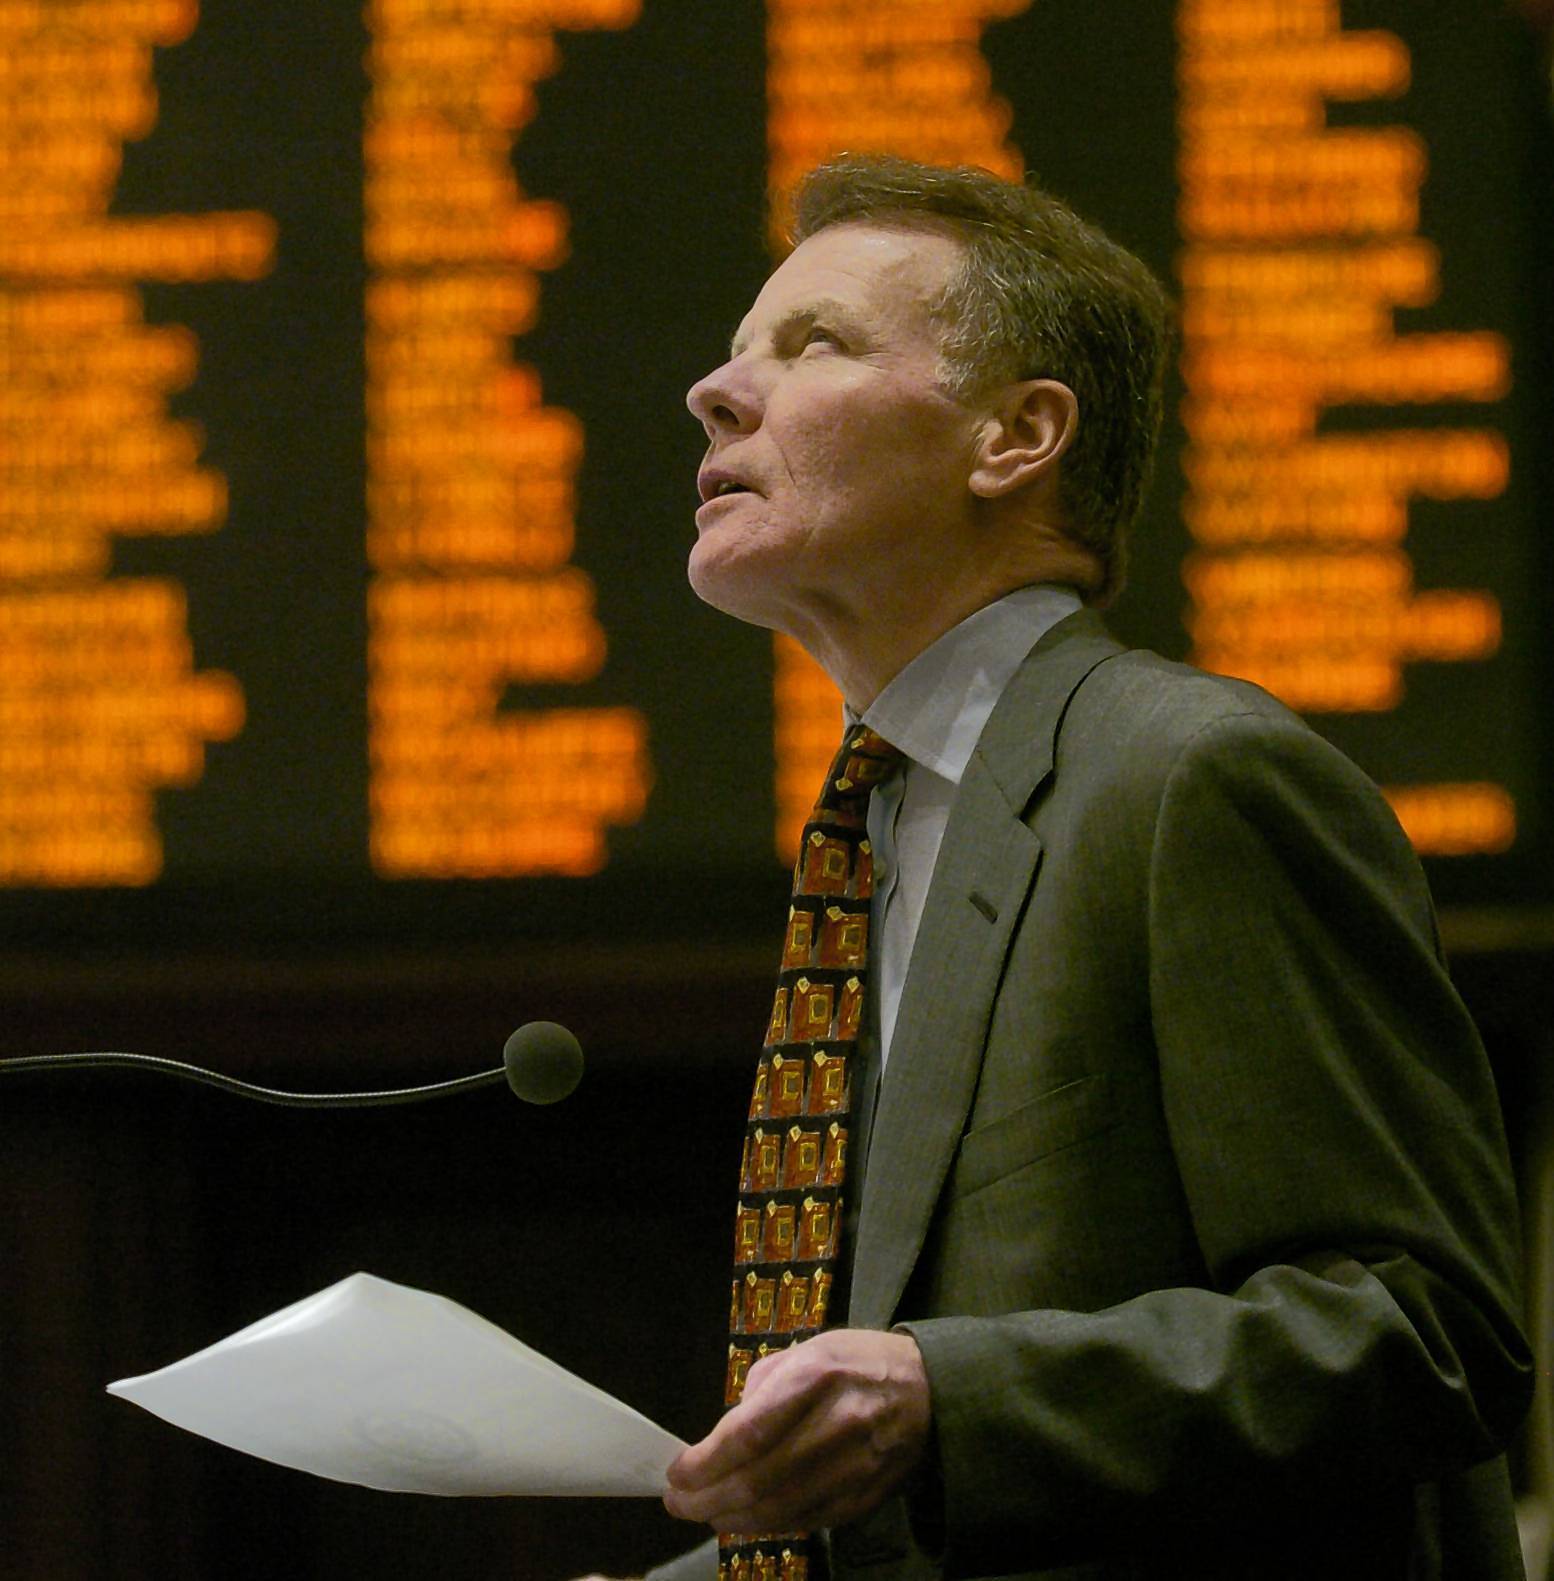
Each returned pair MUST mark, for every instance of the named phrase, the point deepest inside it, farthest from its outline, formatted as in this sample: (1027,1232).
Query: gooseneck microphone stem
(541,1062)
(153,1065)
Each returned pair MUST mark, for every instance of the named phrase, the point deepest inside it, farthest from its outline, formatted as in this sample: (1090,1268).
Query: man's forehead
(852,271)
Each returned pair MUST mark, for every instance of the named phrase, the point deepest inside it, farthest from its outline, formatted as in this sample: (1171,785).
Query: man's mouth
(714,485)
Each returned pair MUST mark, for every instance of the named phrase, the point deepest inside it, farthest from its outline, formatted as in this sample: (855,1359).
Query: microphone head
(544,1062)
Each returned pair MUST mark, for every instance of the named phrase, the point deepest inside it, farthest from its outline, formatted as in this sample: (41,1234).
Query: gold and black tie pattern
(787,1224)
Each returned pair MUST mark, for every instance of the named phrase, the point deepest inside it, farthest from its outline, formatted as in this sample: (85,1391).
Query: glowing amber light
(1268,58)
(1455,819)
(1300,242)
(471,477)
(100,705)
(891,76)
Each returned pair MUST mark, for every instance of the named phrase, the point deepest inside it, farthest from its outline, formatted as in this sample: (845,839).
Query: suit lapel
(986,867)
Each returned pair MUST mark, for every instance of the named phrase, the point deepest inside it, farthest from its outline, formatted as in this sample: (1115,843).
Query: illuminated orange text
(1300,241)
(470,474)
(100,704)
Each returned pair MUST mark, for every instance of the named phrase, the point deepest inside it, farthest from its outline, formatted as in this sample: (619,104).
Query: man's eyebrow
(827,308)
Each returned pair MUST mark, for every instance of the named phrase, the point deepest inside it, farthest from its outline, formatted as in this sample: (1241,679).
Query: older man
(1183,1240)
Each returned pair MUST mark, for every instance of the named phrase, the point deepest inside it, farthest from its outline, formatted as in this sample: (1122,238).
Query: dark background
(139,1222)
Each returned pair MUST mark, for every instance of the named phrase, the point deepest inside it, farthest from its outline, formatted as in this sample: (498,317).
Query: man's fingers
(730,1445)
(743,1474)
(830,1483)
(774,1402)
(819,1440)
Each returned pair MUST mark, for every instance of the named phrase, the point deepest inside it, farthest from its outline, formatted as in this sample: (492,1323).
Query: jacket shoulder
(1137,697)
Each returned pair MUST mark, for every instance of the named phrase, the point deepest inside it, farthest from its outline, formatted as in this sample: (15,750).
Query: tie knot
(861,762)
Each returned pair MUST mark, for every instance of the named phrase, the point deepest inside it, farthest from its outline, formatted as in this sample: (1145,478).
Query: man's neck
(862,653)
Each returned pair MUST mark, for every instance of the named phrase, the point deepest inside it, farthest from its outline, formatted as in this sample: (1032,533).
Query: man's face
(847,460)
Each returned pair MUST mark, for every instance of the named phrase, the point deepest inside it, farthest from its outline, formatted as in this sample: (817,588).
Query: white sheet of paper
(375,1383)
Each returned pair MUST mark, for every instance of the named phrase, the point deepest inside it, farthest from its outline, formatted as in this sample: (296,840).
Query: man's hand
(825,1431)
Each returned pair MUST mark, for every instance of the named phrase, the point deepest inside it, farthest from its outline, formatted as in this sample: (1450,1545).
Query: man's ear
(1029,427)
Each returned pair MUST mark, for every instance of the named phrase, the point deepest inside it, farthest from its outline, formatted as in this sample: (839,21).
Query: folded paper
(376,1383)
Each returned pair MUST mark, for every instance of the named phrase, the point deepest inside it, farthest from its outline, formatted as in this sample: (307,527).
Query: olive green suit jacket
(1187,1172)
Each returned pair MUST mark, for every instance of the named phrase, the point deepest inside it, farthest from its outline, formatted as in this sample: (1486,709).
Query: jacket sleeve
(1338,1141)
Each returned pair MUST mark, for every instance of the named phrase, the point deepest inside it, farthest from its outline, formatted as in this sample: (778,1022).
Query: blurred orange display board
(101,704)
(1299,242)
(470,480)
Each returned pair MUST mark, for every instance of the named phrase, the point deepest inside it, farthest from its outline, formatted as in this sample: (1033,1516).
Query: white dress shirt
(934,711)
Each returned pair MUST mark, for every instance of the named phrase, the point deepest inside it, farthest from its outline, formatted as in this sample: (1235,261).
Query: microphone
(542,1062)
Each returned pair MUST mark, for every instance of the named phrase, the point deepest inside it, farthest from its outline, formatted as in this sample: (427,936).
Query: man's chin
(734,589)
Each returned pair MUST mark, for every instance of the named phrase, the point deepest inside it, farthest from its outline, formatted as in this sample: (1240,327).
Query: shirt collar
(935,708)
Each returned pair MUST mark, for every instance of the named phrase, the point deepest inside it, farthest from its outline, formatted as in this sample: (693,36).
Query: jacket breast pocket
(1057,1119)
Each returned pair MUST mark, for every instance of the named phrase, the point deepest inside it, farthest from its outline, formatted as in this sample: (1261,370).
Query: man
(1186,1240)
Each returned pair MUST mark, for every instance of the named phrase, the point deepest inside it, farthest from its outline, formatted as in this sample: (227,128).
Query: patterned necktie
(786,1227)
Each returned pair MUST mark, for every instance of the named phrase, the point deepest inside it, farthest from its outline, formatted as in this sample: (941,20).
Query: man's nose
(725,401)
